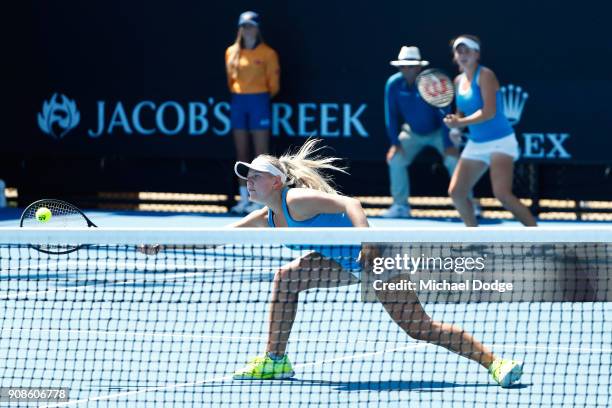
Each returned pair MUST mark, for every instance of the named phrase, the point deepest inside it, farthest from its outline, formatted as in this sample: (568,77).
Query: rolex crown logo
(514,102)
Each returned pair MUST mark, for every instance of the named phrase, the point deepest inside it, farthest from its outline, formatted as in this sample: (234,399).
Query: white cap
(259,164)
(468,42)
(409,56)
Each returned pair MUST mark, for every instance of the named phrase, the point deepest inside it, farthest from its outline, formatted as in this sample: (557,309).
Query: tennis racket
(436,88)
(63,215)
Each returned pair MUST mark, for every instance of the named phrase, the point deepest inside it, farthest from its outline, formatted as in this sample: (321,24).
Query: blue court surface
(121,328)
(9,217)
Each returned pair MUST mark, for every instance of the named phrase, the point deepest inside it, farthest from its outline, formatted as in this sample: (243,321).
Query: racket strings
(437,90)
(63,215)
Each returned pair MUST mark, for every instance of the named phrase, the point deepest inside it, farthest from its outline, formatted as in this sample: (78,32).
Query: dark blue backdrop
(145,80)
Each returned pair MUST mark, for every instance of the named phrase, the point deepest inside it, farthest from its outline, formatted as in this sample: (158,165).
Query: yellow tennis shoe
(506,372)
(265,368)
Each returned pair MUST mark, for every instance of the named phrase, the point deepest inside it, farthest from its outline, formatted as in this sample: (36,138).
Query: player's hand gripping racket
(57,214)
(436,88)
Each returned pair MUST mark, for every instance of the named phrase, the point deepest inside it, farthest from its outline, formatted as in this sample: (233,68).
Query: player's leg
(308,272)
(406,310)
(450,157)
(466,175)
(501,173)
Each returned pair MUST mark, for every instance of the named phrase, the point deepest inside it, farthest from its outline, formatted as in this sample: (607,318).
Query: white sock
(244,194)
(274,356)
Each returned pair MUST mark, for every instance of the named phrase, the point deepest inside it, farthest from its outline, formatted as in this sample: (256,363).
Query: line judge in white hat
(409,56)
(412,125)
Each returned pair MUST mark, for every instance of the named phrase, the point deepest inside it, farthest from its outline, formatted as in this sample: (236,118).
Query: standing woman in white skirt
(492,143)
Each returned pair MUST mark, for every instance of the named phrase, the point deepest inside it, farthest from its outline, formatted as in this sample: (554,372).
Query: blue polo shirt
(403,104)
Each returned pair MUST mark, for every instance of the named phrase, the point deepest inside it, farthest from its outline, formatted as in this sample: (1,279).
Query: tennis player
(412,125)
(253,74)
(492,143)
(296,193)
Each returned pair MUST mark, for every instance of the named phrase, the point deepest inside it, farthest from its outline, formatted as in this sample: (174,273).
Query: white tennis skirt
(482,151)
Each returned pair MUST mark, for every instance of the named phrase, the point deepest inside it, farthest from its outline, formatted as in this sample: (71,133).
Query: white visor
(259,164)
(468,42)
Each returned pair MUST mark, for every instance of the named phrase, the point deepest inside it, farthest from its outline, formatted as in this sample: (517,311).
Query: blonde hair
(233,62)
(303,167)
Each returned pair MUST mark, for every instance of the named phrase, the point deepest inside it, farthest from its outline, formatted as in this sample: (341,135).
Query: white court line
(227,377)
(515,346)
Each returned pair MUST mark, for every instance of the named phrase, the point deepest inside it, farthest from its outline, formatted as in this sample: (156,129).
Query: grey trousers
(413,143)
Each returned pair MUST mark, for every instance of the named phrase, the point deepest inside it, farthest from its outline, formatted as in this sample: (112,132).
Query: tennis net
(118,327)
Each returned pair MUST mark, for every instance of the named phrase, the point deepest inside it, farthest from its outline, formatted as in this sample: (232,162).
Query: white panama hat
(409,56)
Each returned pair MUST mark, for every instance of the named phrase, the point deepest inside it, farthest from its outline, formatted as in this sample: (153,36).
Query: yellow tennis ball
(43,214)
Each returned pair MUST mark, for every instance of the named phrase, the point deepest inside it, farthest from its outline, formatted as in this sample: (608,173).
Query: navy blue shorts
(250,111)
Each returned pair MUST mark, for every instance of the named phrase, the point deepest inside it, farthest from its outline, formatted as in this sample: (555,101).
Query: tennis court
(120,328)
(133,130)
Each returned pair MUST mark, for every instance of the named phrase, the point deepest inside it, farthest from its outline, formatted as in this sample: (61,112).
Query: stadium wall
(121,95)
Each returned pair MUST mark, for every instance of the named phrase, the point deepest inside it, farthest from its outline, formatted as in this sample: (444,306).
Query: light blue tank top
(345,255)
(319,220)
(471,101)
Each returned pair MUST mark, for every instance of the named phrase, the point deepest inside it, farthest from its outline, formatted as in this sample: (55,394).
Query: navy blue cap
(249,17)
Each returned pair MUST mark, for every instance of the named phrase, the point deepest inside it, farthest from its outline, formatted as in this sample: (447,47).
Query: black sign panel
(147,79)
